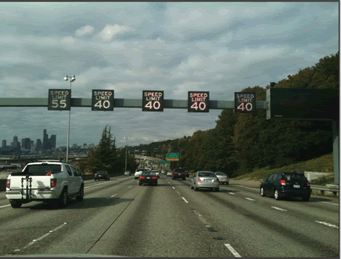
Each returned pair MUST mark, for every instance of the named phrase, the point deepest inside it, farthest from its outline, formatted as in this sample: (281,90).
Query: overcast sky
(129,47)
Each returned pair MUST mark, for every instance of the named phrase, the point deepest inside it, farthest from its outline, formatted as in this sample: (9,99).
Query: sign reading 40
(198,101)
(244,102)
(102,100)
(152,101)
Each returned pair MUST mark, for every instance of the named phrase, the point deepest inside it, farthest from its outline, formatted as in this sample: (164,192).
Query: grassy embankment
(320,164)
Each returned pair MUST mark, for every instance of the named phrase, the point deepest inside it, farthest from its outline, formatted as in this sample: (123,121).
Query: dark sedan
(148,178)
(282,184)
(102,175)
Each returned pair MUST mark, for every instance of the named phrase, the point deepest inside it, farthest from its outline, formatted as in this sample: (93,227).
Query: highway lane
(119,217)
(253,220)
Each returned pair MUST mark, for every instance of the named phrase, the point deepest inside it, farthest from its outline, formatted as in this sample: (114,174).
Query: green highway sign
(172,157)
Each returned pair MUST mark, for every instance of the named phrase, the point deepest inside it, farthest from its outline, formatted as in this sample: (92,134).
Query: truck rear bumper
(35,195)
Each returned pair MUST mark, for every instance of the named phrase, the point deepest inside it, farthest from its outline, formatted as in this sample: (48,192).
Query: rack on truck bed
(28,187)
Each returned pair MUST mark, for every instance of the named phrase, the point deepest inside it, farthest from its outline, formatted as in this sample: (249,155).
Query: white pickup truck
(49,181)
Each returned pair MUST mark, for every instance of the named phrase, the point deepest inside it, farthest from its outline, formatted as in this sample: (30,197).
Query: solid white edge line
(113,195)
(327,224)
(129,186)
(277,208)
(5,206)
(231,249)
(184,199)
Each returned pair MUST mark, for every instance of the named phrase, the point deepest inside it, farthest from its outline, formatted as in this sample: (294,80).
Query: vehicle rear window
(206,174)
(179,170)
(102,172)
(294,177)
(148,173)
(42,169)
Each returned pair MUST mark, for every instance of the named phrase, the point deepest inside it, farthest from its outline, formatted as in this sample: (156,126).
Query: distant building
(39,145)
(4,143)
(49,143)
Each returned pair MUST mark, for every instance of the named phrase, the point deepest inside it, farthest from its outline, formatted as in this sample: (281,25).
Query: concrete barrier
(314,175)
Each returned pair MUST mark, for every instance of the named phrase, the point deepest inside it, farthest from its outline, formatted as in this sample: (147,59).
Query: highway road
(119,217)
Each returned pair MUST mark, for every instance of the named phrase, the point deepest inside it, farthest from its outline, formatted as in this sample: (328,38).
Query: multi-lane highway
(119,217)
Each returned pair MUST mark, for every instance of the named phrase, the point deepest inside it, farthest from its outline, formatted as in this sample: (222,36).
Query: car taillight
(308,184)
(183,173)
(217,179)
(198,179)
(142,177)
(49,173)
(154,177)
(8,183)
(175,173)
(282,182)
(53,182)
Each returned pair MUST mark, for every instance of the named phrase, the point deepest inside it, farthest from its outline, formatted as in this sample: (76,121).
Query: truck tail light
(142,177)
(282,182)
(53,182)
(175,172)
(154,177)
(8,183)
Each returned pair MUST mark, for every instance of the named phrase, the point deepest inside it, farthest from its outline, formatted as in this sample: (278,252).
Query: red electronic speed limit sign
(152,101)
(198,101)
(244,102)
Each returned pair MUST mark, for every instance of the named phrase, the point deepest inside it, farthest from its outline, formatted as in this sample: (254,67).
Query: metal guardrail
(334,189)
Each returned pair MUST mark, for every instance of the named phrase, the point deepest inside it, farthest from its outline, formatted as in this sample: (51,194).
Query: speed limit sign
(59,99)
(152,101)
(198,101)
(245,102)
(102,100)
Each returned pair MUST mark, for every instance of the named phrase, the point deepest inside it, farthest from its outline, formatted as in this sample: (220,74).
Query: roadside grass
(320,164)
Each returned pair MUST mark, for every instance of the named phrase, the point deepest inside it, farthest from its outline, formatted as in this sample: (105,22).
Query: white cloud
(69,40)
(110,31)
(85,30)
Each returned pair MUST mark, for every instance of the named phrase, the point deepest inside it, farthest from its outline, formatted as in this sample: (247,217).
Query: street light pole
(125,169)
(66,78)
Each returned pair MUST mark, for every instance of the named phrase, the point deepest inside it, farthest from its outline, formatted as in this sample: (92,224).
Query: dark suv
(179,173)
(282,184)
(102,175)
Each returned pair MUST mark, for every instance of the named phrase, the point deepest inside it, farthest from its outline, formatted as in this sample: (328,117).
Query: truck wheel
(62,201)
(80,196)
(15,204)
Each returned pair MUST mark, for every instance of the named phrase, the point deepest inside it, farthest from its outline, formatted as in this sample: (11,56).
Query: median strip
(231,249)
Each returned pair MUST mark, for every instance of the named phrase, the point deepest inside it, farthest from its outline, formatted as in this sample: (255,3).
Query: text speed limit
(198,101)
(244,102)
(102,100)
(152,101)
(59,99)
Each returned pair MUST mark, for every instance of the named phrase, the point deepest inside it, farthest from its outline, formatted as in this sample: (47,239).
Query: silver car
(205,179)
(223,178)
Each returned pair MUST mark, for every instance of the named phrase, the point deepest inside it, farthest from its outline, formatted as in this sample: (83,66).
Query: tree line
(107,157)
(241,143)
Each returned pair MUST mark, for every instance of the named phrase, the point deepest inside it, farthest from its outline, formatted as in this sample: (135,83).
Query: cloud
(110,31)
(87,29)
(69,40)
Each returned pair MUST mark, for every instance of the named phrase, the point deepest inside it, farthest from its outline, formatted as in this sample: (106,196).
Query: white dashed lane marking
(331,203)
(247,198)
(231,193)
(277,208)
(184,199)
(231,249)
(5,206)
(173,187)
(113,195)
(327,224)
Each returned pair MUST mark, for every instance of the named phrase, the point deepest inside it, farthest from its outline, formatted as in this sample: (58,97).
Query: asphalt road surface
(121,218)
